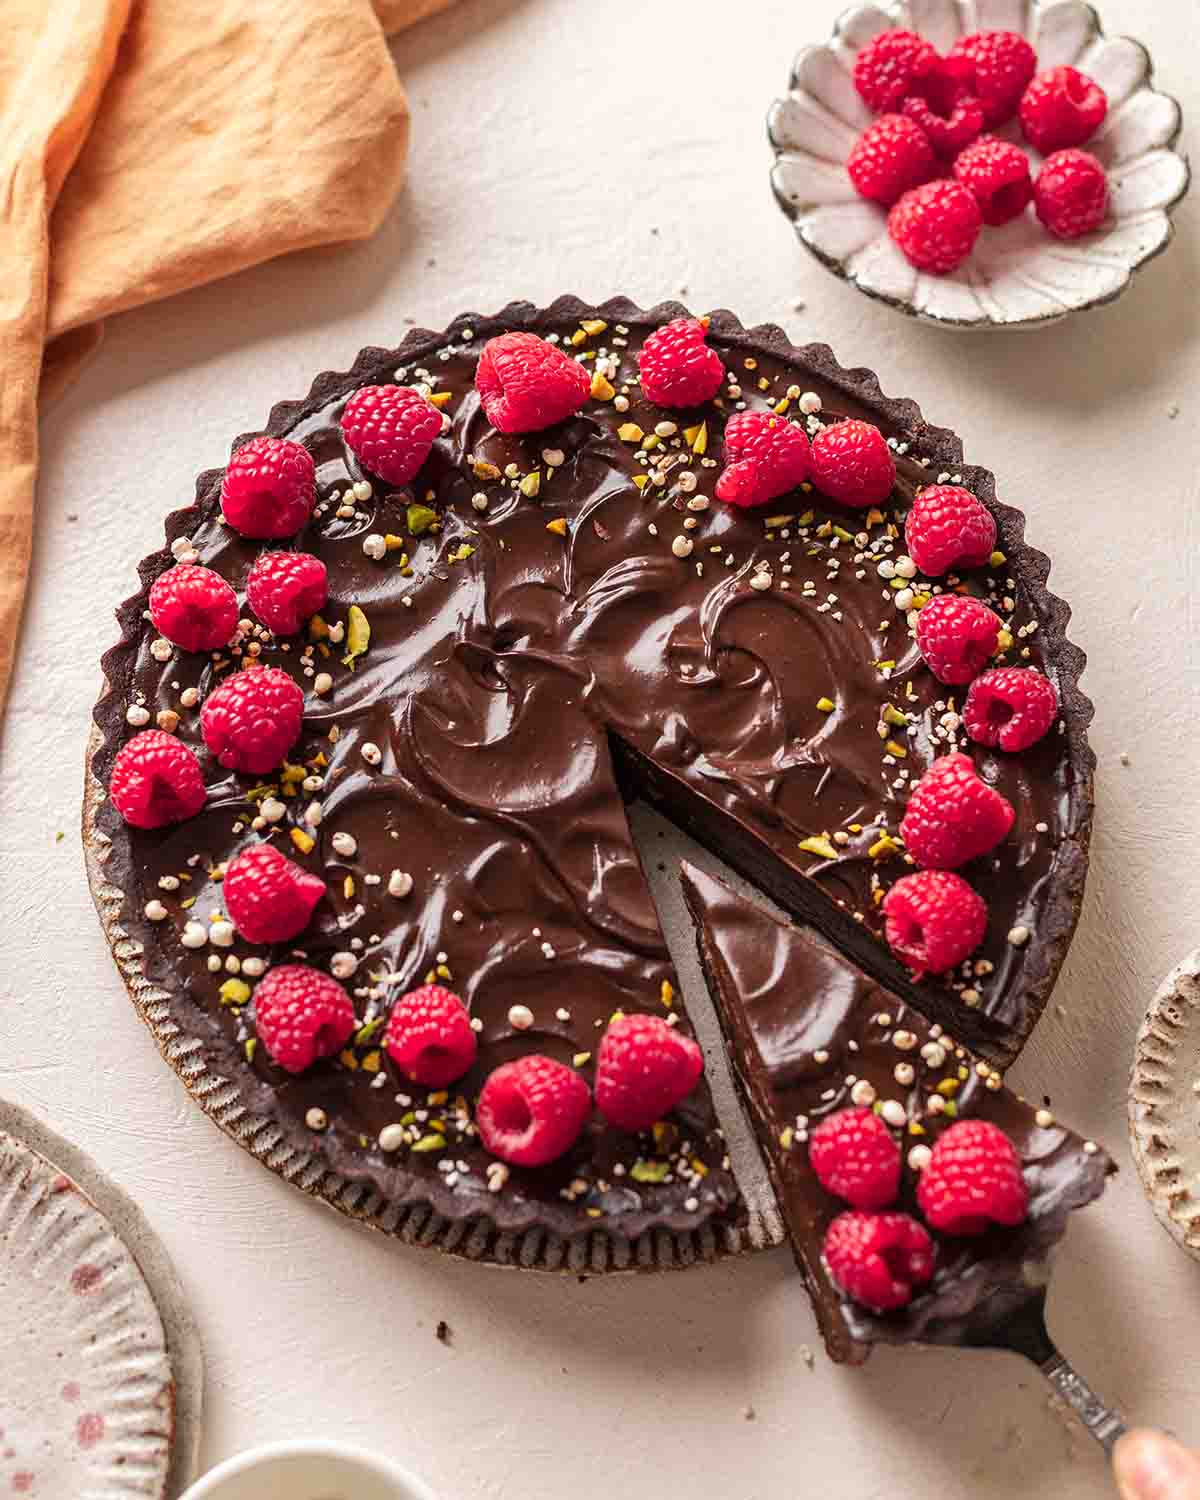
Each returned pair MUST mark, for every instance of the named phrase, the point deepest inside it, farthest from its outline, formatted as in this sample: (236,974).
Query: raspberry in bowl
(987,106)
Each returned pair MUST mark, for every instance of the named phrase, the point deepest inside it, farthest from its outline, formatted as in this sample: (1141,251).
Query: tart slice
(922,1197)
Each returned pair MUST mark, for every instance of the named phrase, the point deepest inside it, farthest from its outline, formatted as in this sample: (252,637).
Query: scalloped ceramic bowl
(1017,276)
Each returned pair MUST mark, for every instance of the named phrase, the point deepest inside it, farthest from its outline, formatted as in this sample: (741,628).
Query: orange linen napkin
(227,135)
(53,66)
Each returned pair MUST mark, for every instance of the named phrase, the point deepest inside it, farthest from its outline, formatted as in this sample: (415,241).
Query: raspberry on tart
(526,383)
(301,1016)
(855,1157)
(879,1259)
(765,457)
(194,607)
(892,66)
(934,920)
(676,365)
(936,225)
(1012,707)
(948,527)
(957,635)
(852,464)
(997,175)
(996,66)
(391,430)
(805,1027)
(643,1070)
(253,719)
(532,1111)
(953,816)
(269,898)
(1062,107)
(156,780)
(973,1180)
(1070,194)
(269,488)
(285,589)
(429,1036)
(892,155)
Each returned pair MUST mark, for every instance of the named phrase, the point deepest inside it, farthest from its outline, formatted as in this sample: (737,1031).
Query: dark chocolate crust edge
(479,1238)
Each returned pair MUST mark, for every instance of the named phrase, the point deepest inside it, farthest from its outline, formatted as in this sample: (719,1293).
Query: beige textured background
(561,146)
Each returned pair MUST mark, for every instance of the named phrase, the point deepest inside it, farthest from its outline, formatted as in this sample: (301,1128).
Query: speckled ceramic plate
(1164,1103)
(1017,276)
(87,1404)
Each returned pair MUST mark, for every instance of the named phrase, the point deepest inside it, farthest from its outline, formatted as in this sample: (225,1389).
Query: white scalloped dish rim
(1018,276)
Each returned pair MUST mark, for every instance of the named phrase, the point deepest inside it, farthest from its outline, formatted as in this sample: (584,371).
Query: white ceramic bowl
(309,1471)
(1017,276)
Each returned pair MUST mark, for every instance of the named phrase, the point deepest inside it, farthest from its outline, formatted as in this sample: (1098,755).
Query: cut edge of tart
(817,1045)
(473,1229)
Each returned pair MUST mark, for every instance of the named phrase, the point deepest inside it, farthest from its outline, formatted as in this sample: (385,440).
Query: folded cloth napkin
(152,146)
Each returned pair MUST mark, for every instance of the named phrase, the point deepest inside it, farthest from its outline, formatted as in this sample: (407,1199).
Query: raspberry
(996,173)
(677,367)
(852,464)
(644,1068)
(532,1110)
(156,780)
(269,898)
(1070,195)
(936,225)
(996,66)
(253,719)
(957,636)
(953,816)
(973,1180)
(892,155)
(526,384)
(1062,108)
(269,488)
(934,920)
(948,527)
(429,1036)
(285,589)
(891,66)
(302,1015)
(194,607)
(1012,707)
(390,430)
(856,1157)
(878,1258)
(949,126)
(765,456)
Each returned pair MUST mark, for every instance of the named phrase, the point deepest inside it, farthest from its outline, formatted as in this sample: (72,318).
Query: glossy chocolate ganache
(557,621)
(809,1034)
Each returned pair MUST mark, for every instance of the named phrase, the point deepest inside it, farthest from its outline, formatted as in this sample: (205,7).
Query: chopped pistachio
(630,432)
(602,388)
(819,844)
(557,526)
(641,480)
(884,846)
(997,560)
(367,1031)
(773,523)
(649,1171)
(894,716)
(593,326)
(420,519)
(358,636)
(483,470)
(531,485)
(303,841)
(899,751)
(697,437)
(440,398)
(826,705)
(234,992)
(431,1142)
(667,994)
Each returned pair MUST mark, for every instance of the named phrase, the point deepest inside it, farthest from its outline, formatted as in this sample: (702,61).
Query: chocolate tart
(809,1033)
(544,643)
